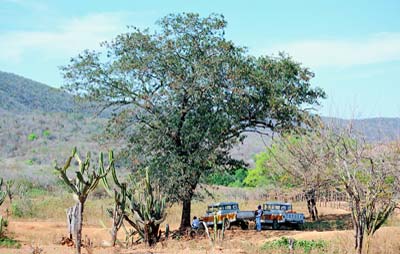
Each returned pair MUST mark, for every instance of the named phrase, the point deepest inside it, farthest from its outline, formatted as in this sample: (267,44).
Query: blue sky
(352,46)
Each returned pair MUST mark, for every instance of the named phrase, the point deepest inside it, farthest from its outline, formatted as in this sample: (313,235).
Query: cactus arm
(65,178)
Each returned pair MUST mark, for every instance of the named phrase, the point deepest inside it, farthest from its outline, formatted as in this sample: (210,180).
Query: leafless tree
(370,177)
(307,160)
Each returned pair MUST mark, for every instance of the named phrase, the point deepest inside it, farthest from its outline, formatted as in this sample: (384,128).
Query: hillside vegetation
(19,94)
(40,124)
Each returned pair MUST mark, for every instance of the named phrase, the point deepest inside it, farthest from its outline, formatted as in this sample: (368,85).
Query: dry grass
(49,225)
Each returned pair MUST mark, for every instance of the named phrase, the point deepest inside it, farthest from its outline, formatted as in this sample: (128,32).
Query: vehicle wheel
(192,234)
(201,232)
(227,224)
(275,225)
(244,226)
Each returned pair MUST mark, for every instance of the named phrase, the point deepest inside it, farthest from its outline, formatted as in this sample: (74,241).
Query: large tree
(185,95)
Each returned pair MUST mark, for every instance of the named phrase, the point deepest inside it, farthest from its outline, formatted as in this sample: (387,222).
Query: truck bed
(246,215)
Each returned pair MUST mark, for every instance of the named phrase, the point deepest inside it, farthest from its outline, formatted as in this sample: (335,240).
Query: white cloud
(377,48)
(67,39)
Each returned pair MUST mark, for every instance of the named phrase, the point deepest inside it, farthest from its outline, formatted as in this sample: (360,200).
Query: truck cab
(225,211)
(280,213)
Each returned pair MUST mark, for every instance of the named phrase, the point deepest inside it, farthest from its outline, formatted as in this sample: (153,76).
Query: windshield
(212,209)
(277,207)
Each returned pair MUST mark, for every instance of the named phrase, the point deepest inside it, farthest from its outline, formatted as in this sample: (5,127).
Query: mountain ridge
(22,95)
(19,94)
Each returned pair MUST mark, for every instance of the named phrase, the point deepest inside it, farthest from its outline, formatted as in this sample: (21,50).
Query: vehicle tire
(201,232)
(244,225)
(192,233)
(275,225)
(227,224)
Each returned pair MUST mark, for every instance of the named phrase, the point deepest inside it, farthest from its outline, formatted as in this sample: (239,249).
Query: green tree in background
(185,95)
(261,174)
(225,178)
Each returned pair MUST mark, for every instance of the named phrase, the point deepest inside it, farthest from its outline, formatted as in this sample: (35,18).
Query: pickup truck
(227,213)
(276,214)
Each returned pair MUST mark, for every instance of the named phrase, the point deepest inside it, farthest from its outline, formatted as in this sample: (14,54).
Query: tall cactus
(118,212)
(145,208)
(9,185)
(85,181)
(148,210)
(3,195)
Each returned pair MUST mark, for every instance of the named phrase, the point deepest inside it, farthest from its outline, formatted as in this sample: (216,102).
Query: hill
(19,94)
(374,130)
(40,124)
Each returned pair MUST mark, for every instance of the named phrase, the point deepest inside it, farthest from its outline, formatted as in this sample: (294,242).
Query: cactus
(3,195)
(9,192)
(148,210)
(143,207)
(85,181)
(118,212)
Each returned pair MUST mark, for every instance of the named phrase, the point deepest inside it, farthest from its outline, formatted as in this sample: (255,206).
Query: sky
(353,47)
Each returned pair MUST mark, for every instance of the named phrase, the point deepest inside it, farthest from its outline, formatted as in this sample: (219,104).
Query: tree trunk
(79,227)
(146,233)
(117,222)
(311,204)
(367,244)
(71,217)
(185,219)
(113,235)
(359,240)
(358,232)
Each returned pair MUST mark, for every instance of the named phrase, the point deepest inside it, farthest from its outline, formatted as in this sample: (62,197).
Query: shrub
(6,242)
(32,137)
(306,245)
(29,162)
(23,208)
(46,133)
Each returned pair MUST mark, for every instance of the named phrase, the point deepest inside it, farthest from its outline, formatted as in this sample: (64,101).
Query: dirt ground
(46,235)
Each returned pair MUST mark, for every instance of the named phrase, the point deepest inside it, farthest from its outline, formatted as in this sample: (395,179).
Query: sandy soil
(47,235)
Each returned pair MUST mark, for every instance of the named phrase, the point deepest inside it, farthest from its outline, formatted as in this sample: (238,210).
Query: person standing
(258,218)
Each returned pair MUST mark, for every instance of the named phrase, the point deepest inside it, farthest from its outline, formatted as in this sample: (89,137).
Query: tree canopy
(186,94)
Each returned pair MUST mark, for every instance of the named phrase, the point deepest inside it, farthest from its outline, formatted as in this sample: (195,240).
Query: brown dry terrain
(333,228)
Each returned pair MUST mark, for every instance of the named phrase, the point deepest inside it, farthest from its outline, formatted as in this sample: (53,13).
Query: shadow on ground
(330,222)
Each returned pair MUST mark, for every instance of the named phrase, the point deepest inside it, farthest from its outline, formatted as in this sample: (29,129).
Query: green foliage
(29,162)
(46,133)
(87,178)
(226,178)
(186,95)
(23,208)
(265,174)
(240,175)
(259,176)
(35,192)
(32,137)
(140,203)
(305,245)
(6,242)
